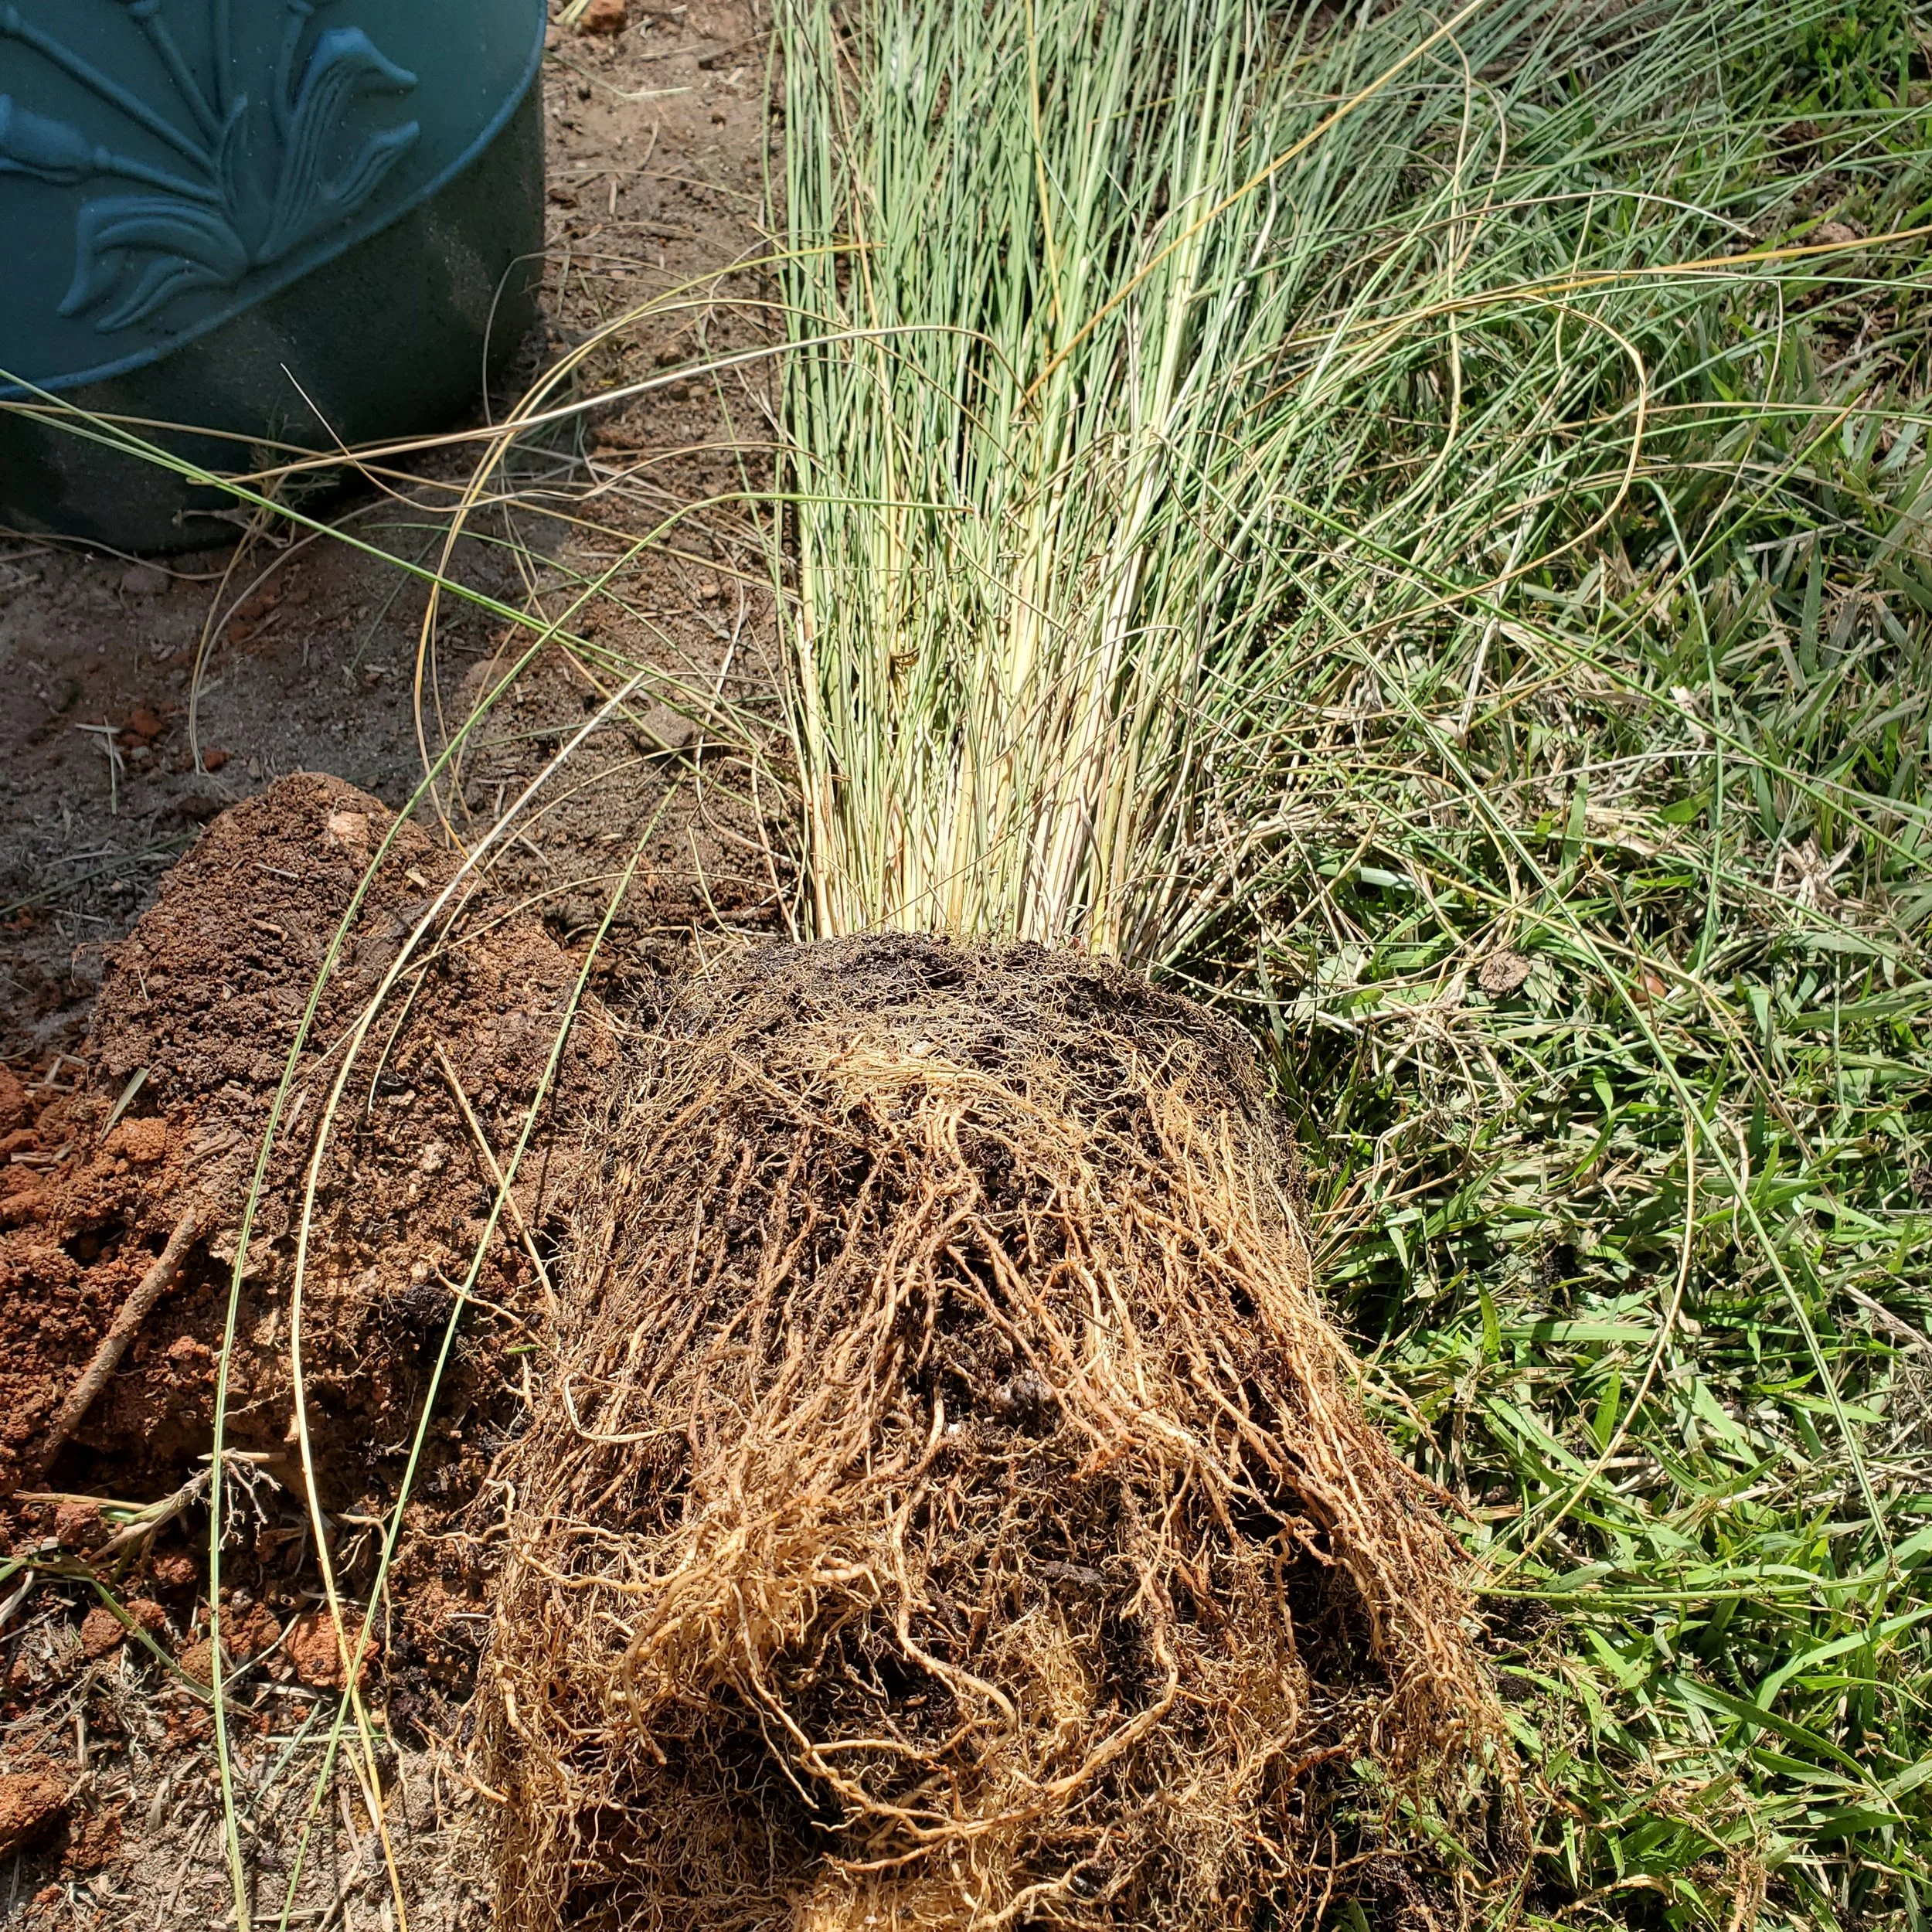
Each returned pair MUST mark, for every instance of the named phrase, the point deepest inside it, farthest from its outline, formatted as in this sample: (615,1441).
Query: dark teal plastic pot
(307,221)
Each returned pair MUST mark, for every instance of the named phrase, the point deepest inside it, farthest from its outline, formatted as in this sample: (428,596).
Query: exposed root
(114,1345)
(953,1508)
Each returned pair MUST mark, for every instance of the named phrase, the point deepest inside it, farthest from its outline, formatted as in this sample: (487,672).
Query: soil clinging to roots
(951,1507)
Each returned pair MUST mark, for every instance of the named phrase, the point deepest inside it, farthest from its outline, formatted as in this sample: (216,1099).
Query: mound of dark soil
(952,1506)
(191,1036)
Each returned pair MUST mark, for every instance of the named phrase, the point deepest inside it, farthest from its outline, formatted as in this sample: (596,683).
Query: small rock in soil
(1502,972)
(603,16)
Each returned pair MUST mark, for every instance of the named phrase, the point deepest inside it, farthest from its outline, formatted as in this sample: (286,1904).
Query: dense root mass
(952,1508)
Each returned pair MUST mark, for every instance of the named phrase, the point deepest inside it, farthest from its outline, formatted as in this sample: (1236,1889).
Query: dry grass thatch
(952,1507)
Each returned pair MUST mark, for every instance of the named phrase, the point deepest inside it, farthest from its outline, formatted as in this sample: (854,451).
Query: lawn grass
(1491,555)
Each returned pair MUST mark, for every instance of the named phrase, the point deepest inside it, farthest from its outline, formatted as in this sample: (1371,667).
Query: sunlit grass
(1430,548)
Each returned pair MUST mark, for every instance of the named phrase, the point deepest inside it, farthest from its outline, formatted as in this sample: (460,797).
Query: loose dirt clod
(315,1652)
(31,1805)
(952,1508)
(101,1632)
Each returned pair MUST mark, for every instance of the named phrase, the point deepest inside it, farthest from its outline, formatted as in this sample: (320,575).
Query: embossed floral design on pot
(261,176)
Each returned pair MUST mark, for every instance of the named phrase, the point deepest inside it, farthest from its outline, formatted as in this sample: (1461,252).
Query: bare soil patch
(196,1019)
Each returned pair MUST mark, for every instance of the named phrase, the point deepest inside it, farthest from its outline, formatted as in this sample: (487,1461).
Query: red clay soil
(201,1003)
(31,1805)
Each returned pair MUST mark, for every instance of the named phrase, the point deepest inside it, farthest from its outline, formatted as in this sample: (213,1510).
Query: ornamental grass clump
(953,1508)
